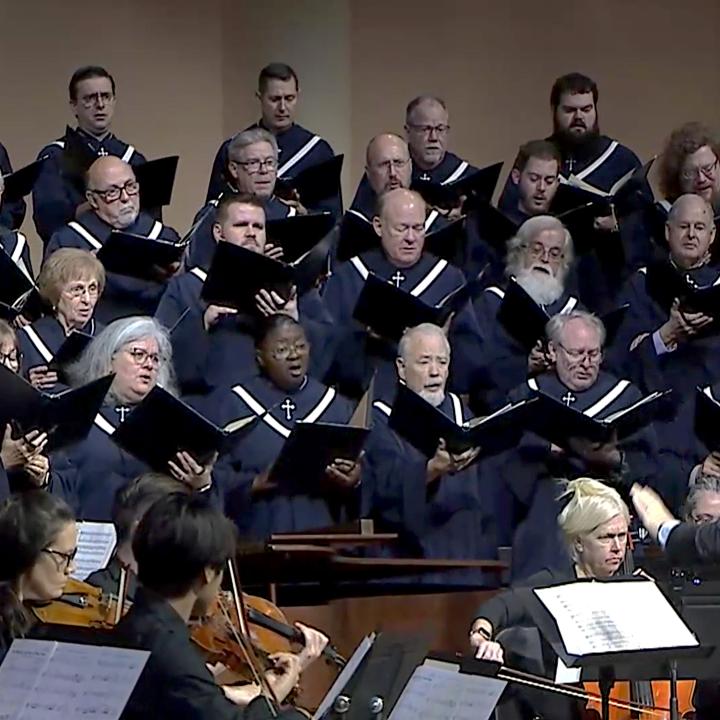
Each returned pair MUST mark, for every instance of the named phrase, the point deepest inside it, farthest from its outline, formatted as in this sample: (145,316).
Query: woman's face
(136,366)
(284,355)
(77,301)
(47,578)
(9,354)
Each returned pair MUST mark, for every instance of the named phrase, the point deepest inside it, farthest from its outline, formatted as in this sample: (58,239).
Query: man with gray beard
(539,258)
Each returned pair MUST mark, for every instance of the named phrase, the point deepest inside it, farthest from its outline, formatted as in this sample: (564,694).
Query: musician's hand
(262,484)
(285,673)
(539,360)
(711,465)
(213,313)
(41,377)
(274,251)
(315,643)
(488,650)
(650,509)
(191,473)
(37,469)
(344,473)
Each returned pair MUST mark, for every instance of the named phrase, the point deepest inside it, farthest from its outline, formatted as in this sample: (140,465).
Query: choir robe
(259,517)
(42,339)
(12,213)
(528,503)
(15,244)
(4,489)
(226,355)
(430,280)
(55,196)
(202,241)
(123,296)
(692,364)
(298,149)
(504,362)
(450,519)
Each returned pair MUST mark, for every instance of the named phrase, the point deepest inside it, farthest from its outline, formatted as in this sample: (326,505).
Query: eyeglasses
(574,354)
(706,170)
(538,250)
(395,164)
(283,352)
(703,518)
(428,129)
(12,358)
(131,187)
(65,558)
(98,98)
(75,292)
(253,166)
(140,357)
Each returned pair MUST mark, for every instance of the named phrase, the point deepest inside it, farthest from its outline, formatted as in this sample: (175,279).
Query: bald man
(113,196)
(672,345)
(400,260)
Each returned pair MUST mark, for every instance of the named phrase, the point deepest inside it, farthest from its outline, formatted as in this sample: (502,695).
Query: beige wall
(186,70)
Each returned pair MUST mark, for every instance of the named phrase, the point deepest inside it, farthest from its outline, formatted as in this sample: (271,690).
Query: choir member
(252,168)
(399,260)
(137,350)
(12,241)
(113,195)
(56,199)
(278,92)
(70,282)
(38,536)
(214,345)
(702,504)
(182,547)
(12,213)
(439,506)
(528,473)
(594,527)
(281,395)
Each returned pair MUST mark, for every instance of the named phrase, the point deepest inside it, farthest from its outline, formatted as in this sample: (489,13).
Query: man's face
(706,508)
(388,165)
(284,356)
(278,102)
(699,174)
(401,228)
(576,115)
(545,253)
(425,369)
(690,233)
(114,195)
(427,134)
(244,225)
(537,184)
(254,170)
(578,356)
(94,105)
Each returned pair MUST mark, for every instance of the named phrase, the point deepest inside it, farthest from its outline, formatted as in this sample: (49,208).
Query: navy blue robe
(56,197)
(450,519)
(298,149)
(202,241)
(12,213)
(429,280)
(530,472)
(15,244)
(259,517)
(123,296)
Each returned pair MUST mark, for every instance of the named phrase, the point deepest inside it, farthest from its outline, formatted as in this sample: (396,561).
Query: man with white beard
(539,258)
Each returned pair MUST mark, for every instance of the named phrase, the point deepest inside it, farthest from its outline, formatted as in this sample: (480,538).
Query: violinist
(38,537)
(181,546)
(594,524)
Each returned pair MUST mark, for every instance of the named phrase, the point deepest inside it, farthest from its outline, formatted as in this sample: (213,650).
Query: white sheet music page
(96,542)
(437,691)
(618,616)
(19,671)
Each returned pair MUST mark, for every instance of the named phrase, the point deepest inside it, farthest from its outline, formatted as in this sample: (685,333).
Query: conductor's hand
(539,360)
(344,473)
(315,643)
(191,473)
(711,465)
(213,313)
(650,509)
(41,377)
(598,455)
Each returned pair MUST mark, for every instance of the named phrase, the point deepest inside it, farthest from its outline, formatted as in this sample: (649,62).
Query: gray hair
(250,137)
(557,323)
(422,100)
(527,232)
(701,483)
(96,361)
(590,504)
(422,329)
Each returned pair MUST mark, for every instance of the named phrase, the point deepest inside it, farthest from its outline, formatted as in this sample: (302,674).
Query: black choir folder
(707,418)
(18,293)
(72,348)
(156,178)
(665,283)
(476,186)
(313,184)
(66,417)
(138,256)
(298,234)
(20,183)
(162,425)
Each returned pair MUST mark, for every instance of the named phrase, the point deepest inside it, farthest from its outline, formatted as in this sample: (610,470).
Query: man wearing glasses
(113,196)
(56,199)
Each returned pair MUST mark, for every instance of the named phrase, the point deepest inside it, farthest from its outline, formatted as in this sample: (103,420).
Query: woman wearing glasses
(38,537)
(89,473)
(70,282)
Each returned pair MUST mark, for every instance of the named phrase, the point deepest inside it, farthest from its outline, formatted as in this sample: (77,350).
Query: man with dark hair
(182,546)
(536,174)
(57,199)
(278,92)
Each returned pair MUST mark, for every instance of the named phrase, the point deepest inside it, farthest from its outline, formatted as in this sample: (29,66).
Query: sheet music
(53,680)
(343,678)
(437,691)
(96,542)
(605,617)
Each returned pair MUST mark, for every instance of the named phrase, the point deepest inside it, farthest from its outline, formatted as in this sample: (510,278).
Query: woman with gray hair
(137,350)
